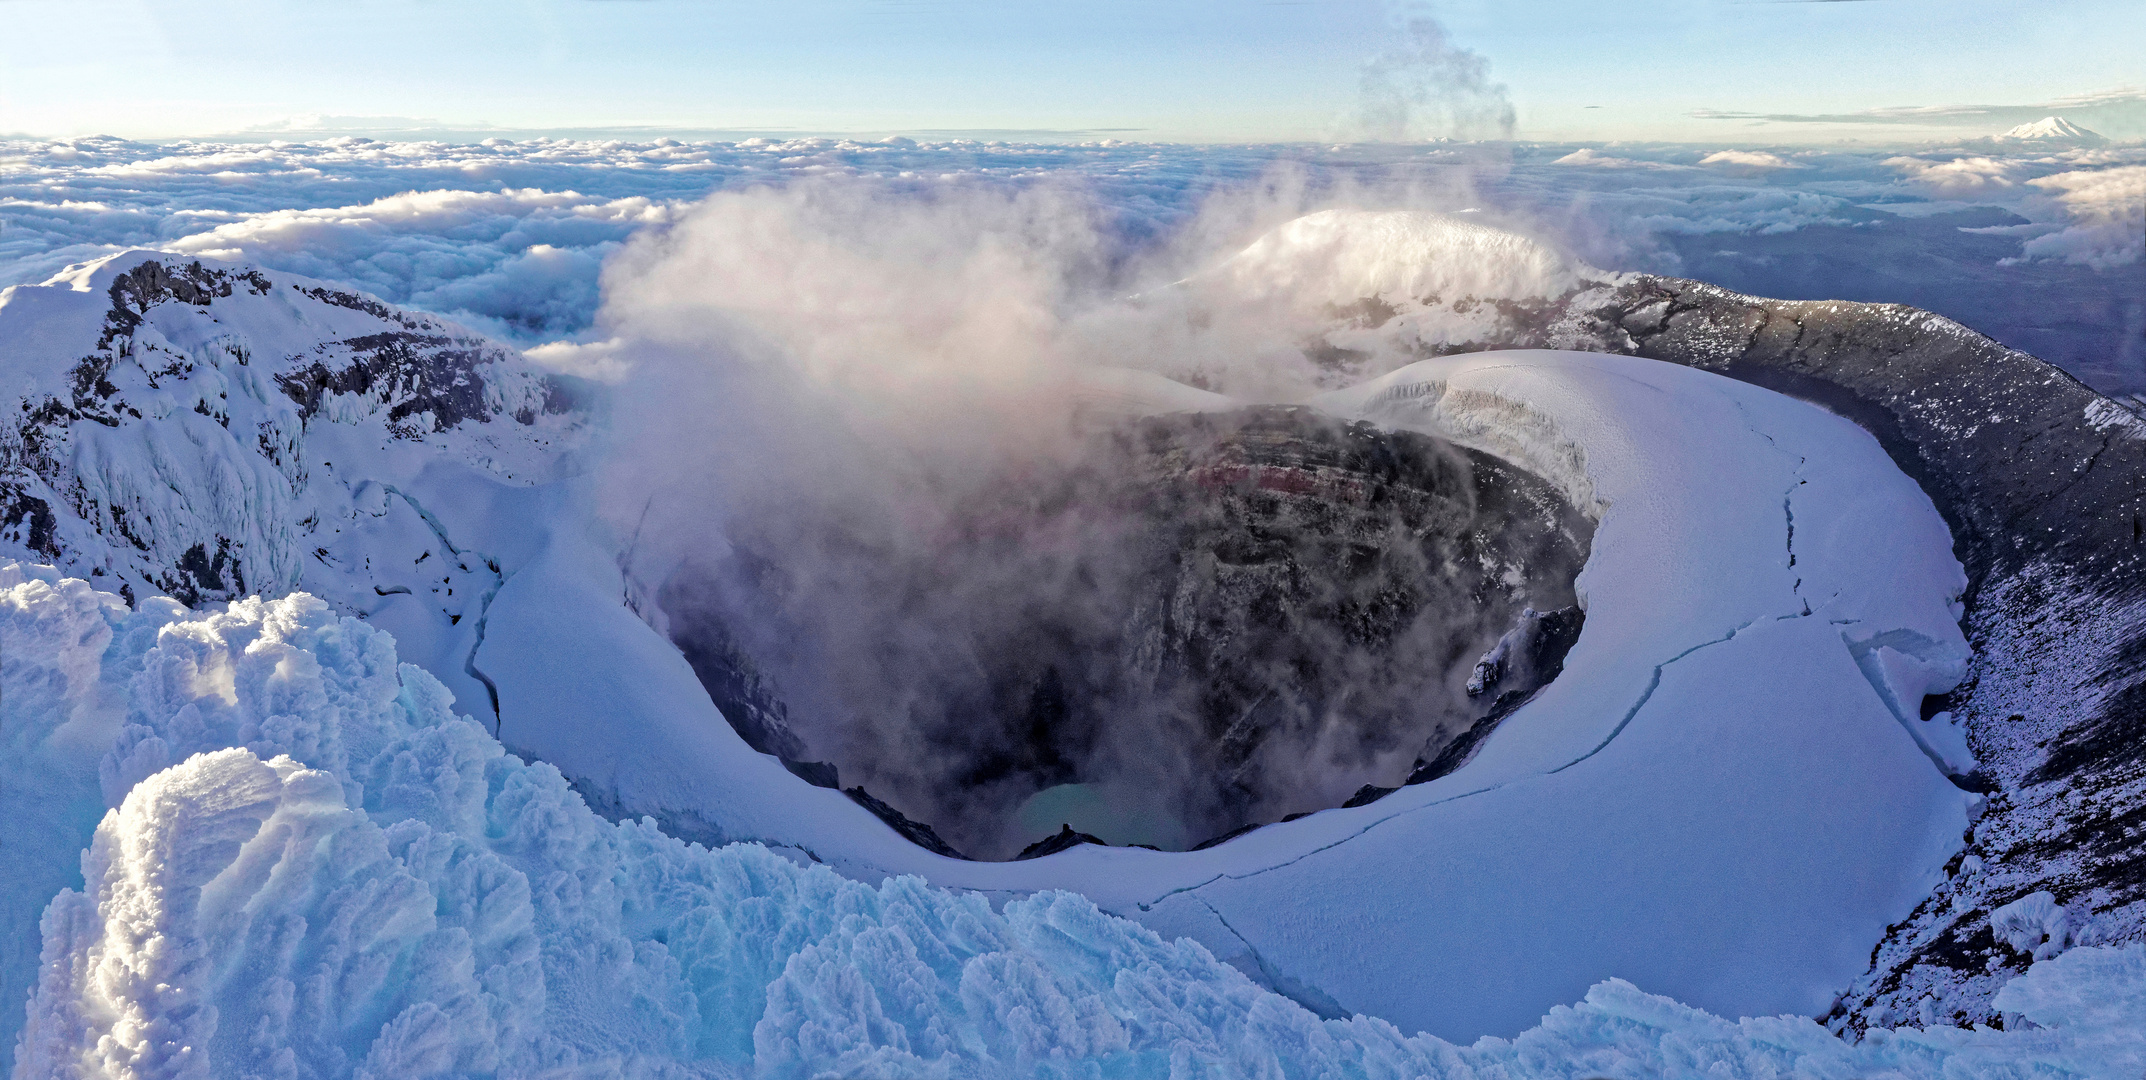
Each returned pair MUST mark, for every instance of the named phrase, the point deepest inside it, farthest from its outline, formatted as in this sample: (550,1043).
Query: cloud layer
(511,237)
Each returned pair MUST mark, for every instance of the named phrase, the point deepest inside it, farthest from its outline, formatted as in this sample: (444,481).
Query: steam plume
(1428,87)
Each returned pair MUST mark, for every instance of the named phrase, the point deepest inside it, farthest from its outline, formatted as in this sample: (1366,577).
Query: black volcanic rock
(916,832)
(1064,840)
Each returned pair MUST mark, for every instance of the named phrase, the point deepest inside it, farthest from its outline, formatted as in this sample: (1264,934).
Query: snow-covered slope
(2054,132)
(209,431)
(310,867)
(2037,477)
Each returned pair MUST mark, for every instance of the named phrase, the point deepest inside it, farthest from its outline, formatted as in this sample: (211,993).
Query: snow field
(336,876)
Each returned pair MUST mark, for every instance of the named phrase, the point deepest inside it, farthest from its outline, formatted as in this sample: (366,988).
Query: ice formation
(306,865)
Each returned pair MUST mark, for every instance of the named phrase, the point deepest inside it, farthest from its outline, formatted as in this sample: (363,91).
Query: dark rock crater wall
(1217,620)
(2043,482)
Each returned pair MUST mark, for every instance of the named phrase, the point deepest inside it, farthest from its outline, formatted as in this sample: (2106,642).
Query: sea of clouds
(2039,248)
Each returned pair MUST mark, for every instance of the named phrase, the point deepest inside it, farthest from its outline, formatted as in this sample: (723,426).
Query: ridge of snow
(300,862)
(211,430)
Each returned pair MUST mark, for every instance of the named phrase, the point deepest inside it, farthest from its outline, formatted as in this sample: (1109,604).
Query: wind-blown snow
(335,876)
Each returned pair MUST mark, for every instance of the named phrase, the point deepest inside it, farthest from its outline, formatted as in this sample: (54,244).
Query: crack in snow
(1654,682)
(1314,1000)
(484,602)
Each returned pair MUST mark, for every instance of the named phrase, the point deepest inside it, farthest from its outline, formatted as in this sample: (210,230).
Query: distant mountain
(2053,131)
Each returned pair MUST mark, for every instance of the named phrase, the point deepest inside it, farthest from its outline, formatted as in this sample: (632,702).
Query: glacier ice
(328,873)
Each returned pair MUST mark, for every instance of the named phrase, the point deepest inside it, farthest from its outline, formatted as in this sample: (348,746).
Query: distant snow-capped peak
(2054,131)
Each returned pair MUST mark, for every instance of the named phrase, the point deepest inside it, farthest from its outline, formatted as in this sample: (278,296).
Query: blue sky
(1200,70)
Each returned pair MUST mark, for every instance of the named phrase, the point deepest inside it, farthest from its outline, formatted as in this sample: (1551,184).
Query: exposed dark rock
(817,773)
(1226,837)
(420,374)
(27,520)
(366,304)
(200,575)
(916,832)
(733,681)
(411,373)
(1529,655)
(1065,839)
(1368,794)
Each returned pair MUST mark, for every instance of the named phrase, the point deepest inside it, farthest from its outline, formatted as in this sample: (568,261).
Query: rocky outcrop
(164,409)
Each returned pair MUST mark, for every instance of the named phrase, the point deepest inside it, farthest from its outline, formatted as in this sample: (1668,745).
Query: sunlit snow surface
(299,862)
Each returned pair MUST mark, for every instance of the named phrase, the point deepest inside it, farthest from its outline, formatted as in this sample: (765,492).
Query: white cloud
(1961,177)
(522,263)
(1590,157)
(2106,209)
(510,237)
(602,361)
(506,236)
(1749,159)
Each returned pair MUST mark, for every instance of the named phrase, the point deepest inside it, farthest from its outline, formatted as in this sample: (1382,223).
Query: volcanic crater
(1197,624)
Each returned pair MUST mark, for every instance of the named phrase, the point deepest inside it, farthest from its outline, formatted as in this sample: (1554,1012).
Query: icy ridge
(336,876)
(195,428)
